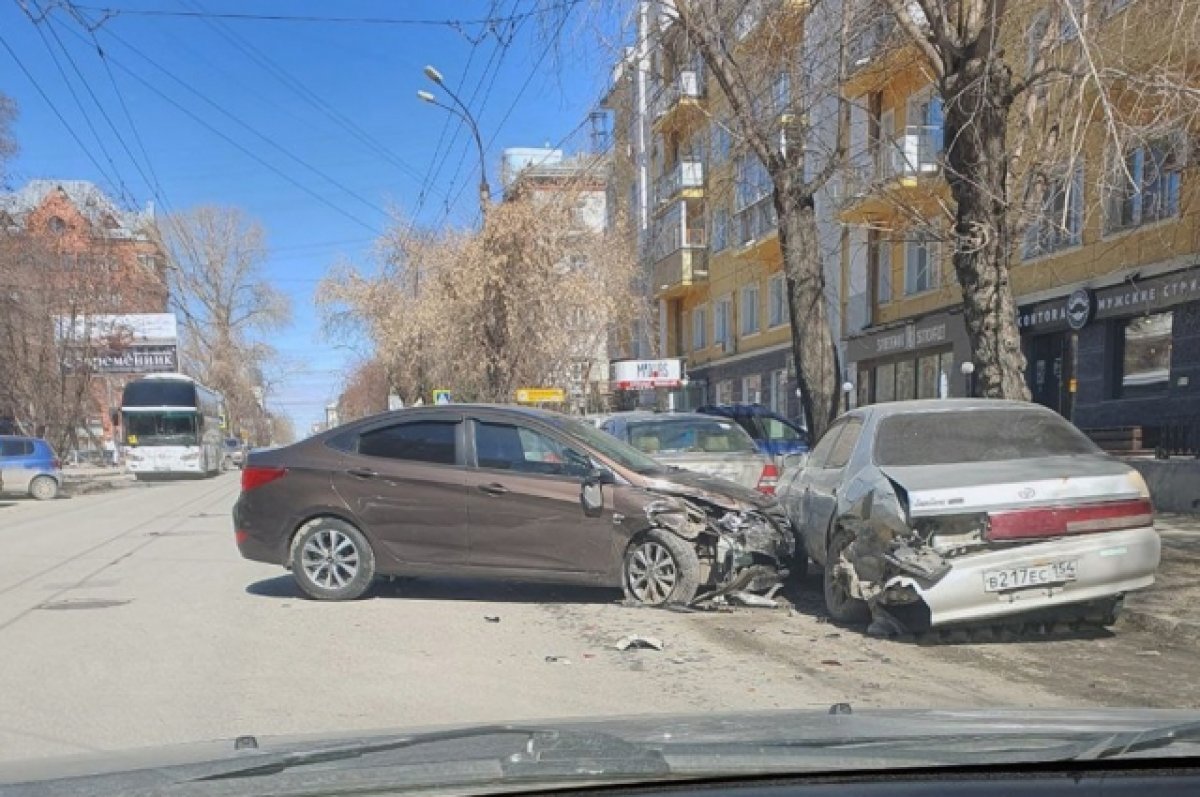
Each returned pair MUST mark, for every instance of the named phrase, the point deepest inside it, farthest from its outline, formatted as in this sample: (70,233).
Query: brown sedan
(502,492)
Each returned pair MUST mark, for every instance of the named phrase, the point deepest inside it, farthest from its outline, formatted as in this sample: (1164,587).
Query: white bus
(172,426)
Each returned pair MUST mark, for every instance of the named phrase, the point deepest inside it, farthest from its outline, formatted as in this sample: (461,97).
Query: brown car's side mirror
(591,492)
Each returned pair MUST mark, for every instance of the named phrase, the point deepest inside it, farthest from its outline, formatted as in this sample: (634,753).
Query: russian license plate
(1024,577)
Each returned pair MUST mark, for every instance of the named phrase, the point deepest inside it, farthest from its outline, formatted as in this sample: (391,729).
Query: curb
(1161,624)
(88,486)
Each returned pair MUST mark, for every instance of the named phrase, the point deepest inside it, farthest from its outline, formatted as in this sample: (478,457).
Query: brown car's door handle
(494,489)
(363,473)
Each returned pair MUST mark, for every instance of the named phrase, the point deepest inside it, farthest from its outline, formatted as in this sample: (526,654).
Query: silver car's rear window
(940,438)
(716,436)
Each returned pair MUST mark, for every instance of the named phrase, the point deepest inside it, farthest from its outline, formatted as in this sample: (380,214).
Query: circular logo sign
(1079,308)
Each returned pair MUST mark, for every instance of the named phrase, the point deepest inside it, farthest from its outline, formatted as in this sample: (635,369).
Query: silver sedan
(955,511)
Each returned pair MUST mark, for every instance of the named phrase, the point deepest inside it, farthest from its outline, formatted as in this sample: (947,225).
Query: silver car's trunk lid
(1015,484)
(741,468)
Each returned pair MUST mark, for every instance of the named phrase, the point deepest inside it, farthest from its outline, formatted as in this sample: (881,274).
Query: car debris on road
(634,641)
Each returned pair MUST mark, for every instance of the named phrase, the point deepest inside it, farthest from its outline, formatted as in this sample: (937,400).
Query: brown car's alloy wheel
(332,560)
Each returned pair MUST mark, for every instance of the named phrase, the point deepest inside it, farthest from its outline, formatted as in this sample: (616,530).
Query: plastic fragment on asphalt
(557,660)
(491,618)
(1148,653)
(831,662)
(633,641)
(750,599)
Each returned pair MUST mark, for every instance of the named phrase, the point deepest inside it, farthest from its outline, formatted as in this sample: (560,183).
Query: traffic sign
(441,397)
(539,395)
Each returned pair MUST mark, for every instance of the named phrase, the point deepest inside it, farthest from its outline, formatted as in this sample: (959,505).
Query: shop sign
(646,374)
(1084,305)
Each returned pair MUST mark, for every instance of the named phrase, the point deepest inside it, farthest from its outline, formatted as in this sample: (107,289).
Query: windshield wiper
(540,753)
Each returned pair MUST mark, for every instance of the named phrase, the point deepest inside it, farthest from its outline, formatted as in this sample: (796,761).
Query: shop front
(920,358)
(766,377)
(1121,355)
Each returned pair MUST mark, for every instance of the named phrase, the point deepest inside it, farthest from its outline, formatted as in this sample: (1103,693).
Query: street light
(847,389)
(460,110)
(968,369)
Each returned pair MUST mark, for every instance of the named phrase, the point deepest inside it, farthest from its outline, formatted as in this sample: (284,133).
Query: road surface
(128,619)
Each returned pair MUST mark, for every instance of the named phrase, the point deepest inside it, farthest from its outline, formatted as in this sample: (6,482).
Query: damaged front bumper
(968,589)
(744,549)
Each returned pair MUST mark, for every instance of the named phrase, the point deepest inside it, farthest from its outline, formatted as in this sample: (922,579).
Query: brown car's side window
(843,447)
(416,441)
(502,446)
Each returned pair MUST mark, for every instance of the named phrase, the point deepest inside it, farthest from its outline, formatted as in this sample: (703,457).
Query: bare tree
(430,310)
(225,304)
(365,392)
(780,87)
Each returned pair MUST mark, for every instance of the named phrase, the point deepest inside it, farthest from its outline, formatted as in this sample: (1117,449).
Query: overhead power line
(453,24)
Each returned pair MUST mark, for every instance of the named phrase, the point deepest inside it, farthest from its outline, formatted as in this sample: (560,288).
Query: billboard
(127,343)
(646,374)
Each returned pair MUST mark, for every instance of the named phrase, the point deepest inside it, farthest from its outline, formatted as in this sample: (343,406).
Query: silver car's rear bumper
(1108,564)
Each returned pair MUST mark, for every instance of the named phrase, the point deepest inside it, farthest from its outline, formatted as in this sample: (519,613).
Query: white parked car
(949,512)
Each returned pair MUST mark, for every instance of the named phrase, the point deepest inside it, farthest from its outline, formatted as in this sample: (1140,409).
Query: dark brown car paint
(534,529)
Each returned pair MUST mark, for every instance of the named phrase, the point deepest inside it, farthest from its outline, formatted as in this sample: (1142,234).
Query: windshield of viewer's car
(962,437)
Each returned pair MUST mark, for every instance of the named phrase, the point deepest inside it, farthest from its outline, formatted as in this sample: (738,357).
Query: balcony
(755,222)
(680,260)
(684,91)
(686,176)
(913,154)
(785,16)
(878,50)
(871,190)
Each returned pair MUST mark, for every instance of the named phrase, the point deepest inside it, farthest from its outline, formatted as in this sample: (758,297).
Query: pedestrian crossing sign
(441,397)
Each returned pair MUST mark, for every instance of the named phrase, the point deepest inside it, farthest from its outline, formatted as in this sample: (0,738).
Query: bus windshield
(160,428)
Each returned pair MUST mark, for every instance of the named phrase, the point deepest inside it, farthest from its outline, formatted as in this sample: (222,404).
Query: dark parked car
(29,466)
(775,435)
(954,511)
(501,492)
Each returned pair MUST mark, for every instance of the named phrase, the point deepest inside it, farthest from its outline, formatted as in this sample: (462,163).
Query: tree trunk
(977,92)
(817,369)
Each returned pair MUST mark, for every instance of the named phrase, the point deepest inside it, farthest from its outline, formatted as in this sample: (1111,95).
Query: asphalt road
(127,619)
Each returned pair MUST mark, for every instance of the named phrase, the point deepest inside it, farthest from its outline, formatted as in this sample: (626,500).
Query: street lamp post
(460,110)
(968,370)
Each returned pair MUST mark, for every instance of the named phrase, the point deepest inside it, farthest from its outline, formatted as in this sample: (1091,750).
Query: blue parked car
(28,465)
(774,434)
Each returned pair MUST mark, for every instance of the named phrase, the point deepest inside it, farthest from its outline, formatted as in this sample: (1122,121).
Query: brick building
(80,274)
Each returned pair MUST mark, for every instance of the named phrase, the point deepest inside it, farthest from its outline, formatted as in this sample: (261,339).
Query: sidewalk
(80,479)
(1172,605)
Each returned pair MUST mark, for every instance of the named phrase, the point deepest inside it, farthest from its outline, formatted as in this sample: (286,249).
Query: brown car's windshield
(624,455)
(941,438)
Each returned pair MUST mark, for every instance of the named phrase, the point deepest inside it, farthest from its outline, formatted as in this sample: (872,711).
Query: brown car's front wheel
(660,568)
(332,560)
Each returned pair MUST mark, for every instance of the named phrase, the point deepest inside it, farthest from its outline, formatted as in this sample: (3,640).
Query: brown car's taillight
(256,477)
(768,479)
(1057,521)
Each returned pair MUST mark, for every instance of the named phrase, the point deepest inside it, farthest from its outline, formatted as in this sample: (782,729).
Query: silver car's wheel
(43,488)
(332,560)
(660,568)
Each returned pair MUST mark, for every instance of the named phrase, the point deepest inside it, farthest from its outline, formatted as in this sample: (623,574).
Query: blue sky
(280,91)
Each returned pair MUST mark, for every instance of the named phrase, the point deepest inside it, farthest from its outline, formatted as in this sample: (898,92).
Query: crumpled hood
(719,492)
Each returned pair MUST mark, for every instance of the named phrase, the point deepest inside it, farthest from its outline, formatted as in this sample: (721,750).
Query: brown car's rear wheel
(332,560)
(842,606)
(659,569)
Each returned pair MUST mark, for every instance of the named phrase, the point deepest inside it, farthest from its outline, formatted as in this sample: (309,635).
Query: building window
(879,262)
(1145,188)
(885,382)
(777,301)
(1059,223)
(864,387)
(920,266)
(700,327)
(750,309)
(945,371)
(1146,354)
(752,181)
(752,389)
(724,392)
(778,397)
(56,225)
(906,380)
(927,377)
(722,311)
(720,142)
(720,229)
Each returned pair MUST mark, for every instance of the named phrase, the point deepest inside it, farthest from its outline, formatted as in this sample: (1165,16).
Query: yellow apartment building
(1106,272)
